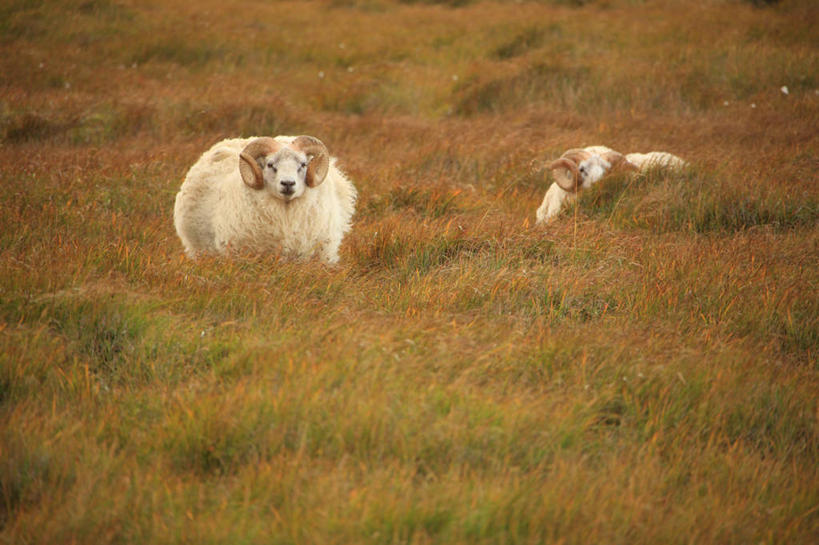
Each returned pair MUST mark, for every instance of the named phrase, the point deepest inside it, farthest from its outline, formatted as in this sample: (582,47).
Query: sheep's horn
(319,158)
(249,160)
(618,160)
(577,155)
(565,183)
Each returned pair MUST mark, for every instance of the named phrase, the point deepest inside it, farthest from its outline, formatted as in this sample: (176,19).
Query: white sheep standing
(578,169)
(262,194)
(581,168)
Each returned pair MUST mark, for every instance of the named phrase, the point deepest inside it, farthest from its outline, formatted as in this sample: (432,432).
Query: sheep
(263,194)
(576,169)
(581,168)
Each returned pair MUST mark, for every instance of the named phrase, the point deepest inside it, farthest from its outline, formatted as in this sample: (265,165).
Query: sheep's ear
(251,171)
(319,158)
(567,182)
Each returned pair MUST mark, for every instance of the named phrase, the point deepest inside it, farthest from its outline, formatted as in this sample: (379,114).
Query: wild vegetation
(641,370)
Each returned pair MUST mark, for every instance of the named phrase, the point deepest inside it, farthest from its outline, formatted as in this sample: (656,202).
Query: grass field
(643,370)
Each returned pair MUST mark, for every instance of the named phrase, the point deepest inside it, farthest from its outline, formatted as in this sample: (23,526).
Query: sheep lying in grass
(579,169)
(263,194)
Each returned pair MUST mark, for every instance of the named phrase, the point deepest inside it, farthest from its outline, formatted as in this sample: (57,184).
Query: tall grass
(641,370)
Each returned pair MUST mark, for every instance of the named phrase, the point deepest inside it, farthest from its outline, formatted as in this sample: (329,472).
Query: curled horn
(567,183)
(618,161)
(568,161)
(249,160)
(319,158)
(577,155)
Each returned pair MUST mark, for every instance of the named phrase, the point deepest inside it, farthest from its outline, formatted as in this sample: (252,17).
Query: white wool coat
(215,212)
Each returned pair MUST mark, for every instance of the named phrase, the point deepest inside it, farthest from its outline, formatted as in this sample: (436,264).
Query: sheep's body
(593,168)
(655,159)
(216,211)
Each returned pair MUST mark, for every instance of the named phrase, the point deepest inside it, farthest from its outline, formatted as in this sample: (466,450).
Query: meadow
(641,370)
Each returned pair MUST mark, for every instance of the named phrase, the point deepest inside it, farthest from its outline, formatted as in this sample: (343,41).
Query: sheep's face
(592,170)
(284,173)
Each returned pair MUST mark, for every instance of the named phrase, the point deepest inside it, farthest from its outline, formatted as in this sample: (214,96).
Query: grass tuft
(529,38)
(552,82)
(696,201)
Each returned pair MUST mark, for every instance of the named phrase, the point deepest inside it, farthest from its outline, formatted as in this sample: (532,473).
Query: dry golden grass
(642,370)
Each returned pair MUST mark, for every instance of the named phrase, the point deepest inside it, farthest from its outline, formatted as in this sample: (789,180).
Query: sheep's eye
(303,165)
(272,167)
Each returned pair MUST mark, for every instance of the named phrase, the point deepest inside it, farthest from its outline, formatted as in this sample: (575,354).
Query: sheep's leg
(553,201)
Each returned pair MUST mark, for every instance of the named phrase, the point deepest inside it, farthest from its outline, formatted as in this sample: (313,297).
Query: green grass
(643,369)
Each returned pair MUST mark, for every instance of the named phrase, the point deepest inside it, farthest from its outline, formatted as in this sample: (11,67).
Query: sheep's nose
(287,185)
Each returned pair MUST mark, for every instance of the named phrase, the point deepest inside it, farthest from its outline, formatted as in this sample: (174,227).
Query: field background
(642,370)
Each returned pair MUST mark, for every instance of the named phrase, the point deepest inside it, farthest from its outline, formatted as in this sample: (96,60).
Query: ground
(643,369)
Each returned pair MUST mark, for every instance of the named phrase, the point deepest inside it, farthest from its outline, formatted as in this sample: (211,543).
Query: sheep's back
(655,159)
(206,196)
